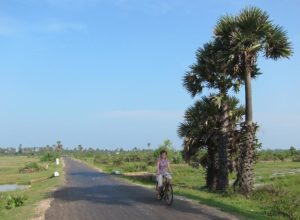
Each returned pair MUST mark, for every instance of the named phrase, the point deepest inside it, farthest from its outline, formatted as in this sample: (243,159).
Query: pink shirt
(163,166)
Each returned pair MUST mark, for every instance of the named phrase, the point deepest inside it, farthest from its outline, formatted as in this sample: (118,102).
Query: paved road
(89,194)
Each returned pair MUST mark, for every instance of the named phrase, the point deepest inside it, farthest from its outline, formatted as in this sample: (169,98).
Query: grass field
(276,197)
(40,184)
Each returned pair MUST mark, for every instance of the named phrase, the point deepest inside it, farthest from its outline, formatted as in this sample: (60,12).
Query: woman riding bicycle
(162,166)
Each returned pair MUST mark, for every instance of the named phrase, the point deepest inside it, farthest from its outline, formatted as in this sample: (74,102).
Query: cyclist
(162,166)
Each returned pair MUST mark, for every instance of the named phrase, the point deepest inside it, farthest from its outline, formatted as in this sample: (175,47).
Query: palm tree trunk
(248,92)
(223,182)
(211,171)
(245,175)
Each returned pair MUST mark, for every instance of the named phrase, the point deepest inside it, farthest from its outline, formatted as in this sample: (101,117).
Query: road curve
(89,194)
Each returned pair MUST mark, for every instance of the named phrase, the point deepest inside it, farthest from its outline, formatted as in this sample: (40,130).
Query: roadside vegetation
(28,168)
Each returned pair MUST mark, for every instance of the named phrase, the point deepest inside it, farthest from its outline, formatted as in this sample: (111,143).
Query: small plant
(15,201)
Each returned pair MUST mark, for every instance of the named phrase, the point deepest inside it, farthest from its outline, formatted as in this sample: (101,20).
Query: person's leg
(159,179)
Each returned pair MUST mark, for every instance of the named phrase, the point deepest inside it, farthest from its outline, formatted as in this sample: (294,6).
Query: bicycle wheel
(169,194)
(160,192)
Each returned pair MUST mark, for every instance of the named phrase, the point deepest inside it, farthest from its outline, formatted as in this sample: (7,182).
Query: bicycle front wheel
(169,194)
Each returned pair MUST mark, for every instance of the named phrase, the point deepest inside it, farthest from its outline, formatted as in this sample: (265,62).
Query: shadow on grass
(242,214)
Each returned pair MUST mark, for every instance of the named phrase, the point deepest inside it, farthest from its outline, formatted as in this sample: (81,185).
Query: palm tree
(201,130)
(244,37)
(59,146)
(213,71)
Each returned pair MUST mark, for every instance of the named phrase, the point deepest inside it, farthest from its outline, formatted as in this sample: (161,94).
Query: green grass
(187,182)
(40,184)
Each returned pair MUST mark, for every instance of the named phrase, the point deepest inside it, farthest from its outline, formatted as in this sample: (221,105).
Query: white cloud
(142,114)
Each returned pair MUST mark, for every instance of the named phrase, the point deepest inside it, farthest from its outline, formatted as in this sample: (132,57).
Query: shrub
(102,159)
(49,156)
(135,167)
(296,158)
(150,160)
(134,157)
(31,167)
(15,201)
(117,161)
(176,157)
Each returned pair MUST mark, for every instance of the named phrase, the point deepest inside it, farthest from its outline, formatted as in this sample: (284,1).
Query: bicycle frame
(167,189)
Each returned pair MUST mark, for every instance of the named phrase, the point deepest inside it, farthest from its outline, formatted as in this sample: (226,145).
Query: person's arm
(157,167)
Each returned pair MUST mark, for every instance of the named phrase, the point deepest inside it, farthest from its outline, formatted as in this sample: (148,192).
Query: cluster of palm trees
(217,122)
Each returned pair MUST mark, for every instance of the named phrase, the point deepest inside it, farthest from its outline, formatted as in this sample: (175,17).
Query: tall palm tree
(245,37)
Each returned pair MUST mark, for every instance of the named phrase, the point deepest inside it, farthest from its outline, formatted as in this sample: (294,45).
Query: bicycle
(166,191)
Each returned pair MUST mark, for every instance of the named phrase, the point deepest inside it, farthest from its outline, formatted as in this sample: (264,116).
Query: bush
(31,167)
(15,201)
(268,155)
(117,161)
(135,167)
(133,157)
(49,156)
(296,158)
(102,159)
(176,157)
(150,160)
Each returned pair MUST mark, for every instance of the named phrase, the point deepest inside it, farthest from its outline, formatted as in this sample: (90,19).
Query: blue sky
(108,73)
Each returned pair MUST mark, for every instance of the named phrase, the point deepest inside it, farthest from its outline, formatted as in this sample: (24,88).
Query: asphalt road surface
(89,194)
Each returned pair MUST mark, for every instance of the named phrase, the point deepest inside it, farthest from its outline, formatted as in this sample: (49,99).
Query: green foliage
(50,156)
(31,167)
(2,200)
(12,201)
(173,155)
(292,151)
(274,155)
(135,167)
(278,201)
(199,158)
(102,159)
(296,158)
(176,157)
(117,161)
